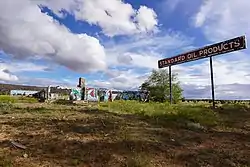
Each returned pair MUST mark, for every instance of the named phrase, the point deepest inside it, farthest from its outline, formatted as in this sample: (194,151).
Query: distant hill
(6,88)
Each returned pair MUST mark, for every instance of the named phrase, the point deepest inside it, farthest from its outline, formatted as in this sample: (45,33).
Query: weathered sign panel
(230,45)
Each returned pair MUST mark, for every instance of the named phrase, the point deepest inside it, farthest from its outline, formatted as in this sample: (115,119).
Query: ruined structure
(79,93)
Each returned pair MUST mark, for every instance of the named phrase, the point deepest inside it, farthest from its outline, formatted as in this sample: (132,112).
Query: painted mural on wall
(92,94)
(131,95)
(76,94)
(105,95)
(109,95)
(116,95)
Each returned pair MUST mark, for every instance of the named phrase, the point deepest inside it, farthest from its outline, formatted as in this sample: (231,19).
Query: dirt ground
(76,136)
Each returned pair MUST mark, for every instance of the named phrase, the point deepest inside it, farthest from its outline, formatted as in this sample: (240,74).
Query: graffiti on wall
(132,95)
(76,94)
(104,95)
(92,94)
(108,95)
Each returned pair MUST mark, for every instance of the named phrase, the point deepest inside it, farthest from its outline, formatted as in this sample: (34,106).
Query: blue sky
(115,44)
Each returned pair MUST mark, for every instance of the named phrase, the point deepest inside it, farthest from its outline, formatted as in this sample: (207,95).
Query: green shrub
(17,99)
(177,112)
(5,162)
(7,99)
(138,161)
(198,114)
(5,107)
(236,106)
(26,100)
(63,102)
(37,110)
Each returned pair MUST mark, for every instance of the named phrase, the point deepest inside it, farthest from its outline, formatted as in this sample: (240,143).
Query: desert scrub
(235,107)
(135,107)
(63,102)
(17,99)
(5,107)
(129,107)
(198,114)
(26,100)
(5,162)
(138,160)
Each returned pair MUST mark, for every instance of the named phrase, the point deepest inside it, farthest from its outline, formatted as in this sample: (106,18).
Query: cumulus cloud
(145,51)
(115,17)
(225,71)
(122,80)
(125,59)
(9,70)
(231,77)
(223,19)
(142,60)
(44,82)
(17,67)
(26,31)
(146,19)
(220,20)
(5,75)
(222,92)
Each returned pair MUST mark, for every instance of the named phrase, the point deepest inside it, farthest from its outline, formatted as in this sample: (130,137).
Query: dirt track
(77,137)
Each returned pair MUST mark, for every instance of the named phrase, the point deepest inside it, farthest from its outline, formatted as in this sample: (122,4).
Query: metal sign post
(230,45)
(170,85)
(212,80)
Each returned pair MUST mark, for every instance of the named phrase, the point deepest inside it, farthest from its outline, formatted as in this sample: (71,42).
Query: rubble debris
(195,126)
(25,155)
(18,145)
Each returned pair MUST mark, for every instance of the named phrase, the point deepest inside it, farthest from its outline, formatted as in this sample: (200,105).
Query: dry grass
(114,136)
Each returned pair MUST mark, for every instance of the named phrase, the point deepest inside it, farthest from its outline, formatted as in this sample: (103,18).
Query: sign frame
(219,48)
(231,45)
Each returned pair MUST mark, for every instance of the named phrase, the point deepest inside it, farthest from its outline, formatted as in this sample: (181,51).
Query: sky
(116,44)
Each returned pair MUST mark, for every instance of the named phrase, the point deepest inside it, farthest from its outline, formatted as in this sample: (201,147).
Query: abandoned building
(78,93)
(52,93)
